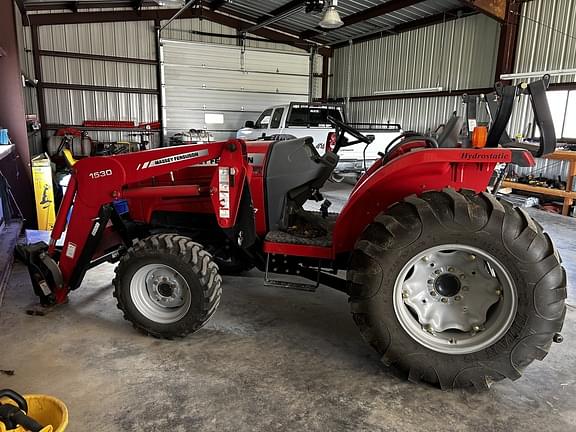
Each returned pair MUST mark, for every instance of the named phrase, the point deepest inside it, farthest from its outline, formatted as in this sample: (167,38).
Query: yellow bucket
(46,410)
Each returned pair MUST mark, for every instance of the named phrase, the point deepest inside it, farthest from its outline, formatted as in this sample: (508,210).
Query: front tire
(457,289)
(167,285)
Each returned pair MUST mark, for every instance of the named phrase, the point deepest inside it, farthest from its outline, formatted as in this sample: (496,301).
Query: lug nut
(444,300)
(433,293)
(430,281)
(437,272)
(457,298)
(405,294)
(450,269)
(462,276)
(465,288)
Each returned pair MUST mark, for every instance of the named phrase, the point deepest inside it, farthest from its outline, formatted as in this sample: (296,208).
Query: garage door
(218,87)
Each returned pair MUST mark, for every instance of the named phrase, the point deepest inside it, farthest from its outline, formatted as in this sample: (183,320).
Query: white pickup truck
(303,119)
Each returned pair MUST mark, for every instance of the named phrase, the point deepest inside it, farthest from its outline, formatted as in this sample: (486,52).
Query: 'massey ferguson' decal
(485,156)
(172,159)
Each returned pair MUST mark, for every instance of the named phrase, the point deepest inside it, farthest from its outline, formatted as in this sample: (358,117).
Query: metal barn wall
(545,42)
(458,54)
(27,67)
(72,107)
(120,39)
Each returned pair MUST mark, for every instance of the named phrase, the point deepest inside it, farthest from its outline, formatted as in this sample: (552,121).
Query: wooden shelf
(568,195)
(539,190)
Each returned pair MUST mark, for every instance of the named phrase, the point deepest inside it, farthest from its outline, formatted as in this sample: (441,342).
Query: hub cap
(160,293)
(455,299)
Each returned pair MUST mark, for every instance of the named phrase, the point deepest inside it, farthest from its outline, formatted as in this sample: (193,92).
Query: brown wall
(12,112)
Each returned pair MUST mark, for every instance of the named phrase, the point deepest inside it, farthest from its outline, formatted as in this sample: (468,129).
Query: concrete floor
(269,360)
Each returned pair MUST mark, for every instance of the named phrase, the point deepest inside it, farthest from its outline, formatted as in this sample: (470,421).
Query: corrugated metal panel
(95,72)
(413,114)
(120,39)
(72,107)
(205,79)
(544,43)
(455,55)
(546,168)
(546,38)
(185,30)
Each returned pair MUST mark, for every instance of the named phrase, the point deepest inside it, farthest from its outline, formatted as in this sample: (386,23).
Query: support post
(325,73)
(508,39)
(40,82)
(159,86)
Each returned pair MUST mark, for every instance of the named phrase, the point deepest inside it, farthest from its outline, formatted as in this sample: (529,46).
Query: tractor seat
(450,133)
(294,169)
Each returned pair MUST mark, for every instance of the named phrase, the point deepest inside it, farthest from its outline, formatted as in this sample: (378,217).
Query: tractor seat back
(449,136)
(293,170)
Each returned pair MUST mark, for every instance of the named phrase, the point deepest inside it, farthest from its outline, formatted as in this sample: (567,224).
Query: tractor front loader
(449,284)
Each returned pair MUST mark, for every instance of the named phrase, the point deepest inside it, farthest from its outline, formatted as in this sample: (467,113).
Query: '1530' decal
(100,174)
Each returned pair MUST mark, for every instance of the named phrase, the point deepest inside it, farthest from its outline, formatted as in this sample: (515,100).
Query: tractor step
(290,285)
(287,270)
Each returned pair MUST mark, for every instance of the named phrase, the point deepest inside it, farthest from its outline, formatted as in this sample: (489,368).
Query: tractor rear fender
(415,173)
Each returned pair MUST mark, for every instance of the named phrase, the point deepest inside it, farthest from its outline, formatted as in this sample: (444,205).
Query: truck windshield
(313,116)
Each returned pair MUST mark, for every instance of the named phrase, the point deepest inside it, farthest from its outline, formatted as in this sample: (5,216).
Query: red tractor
(449,284)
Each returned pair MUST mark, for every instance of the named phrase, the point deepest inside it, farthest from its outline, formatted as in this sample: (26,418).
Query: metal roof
(296,23)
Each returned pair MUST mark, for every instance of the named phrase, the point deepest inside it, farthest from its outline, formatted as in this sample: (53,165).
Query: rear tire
(167,285)
(437,342)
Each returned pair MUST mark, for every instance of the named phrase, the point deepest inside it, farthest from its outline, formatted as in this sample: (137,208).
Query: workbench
(568,195)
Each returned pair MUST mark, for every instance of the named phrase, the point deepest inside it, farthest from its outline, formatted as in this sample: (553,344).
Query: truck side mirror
(249,124)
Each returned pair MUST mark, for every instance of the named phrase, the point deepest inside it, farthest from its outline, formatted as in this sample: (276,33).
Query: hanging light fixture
(331,19)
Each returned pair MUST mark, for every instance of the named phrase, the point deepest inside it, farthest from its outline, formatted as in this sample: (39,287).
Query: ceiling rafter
(217,4)
(278,14)
(438,18)
(137,4)
(56,5)
(164,14)
(373,12)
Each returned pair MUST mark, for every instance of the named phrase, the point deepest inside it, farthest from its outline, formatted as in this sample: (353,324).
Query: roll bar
(542,115)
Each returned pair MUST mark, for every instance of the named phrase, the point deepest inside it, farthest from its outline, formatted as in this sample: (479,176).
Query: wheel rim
(160,293)
(455,299)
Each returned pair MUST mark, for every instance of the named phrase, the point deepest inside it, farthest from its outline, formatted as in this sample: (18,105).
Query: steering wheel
(341,129)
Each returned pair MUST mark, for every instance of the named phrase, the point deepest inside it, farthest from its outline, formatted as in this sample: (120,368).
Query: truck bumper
(350,167)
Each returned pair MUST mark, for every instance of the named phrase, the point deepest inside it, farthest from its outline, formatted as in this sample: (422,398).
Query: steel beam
(325,76)
(508,40)
(57,5)
(439,18)
(496,9)
(66,54)
(373,12)
(217,4)
(277,14)
(236,22)
(82,87)
(38,77)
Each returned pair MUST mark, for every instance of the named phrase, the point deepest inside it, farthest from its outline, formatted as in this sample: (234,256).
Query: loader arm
(97,182)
